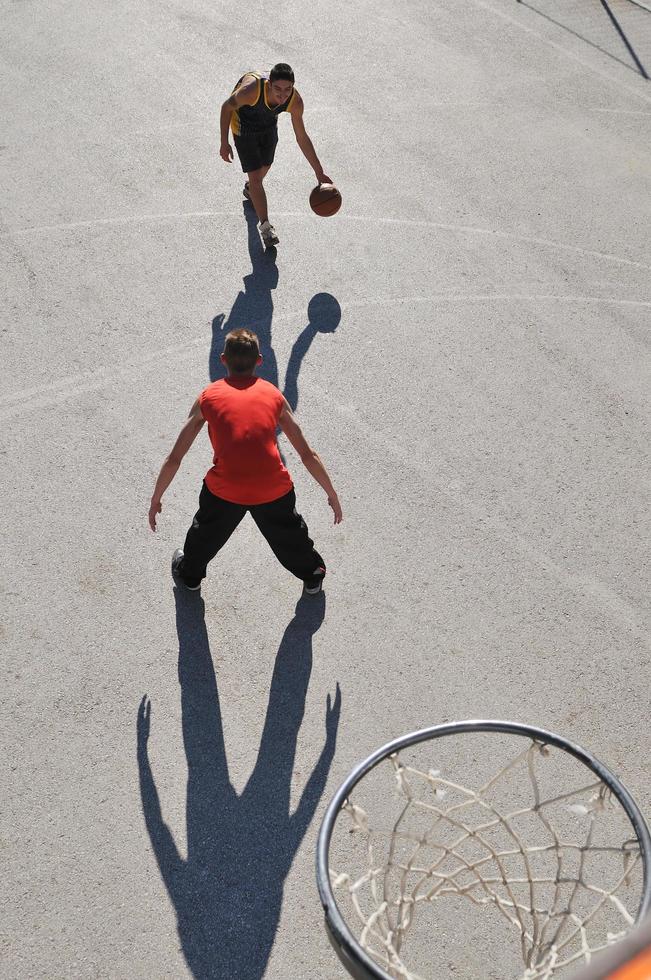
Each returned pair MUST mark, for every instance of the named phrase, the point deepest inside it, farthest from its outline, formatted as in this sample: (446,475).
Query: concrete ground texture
(465,346)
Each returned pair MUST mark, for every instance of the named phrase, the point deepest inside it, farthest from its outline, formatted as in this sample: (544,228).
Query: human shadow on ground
(228,892)
(639,67)
(324,315)
(253,308)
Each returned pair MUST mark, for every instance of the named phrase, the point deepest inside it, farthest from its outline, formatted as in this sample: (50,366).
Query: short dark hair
(241,351)
(281,71)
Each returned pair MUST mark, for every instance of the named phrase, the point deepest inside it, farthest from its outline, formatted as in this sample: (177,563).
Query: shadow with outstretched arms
(253,307)
(323,315)
(228,891)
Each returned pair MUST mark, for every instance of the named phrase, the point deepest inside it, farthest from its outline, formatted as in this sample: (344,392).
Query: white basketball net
(468,847)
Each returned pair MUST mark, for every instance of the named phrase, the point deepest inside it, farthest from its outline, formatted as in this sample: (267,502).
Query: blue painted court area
(465,345)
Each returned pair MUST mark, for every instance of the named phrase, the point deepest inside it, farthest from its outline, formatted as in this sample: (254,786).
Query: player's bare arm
(245,94)
(186,437)
(304,141)
(310,459)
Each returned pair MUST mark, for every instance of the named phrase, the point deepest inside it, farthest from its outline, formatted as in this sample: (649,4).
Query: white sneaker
(268,232)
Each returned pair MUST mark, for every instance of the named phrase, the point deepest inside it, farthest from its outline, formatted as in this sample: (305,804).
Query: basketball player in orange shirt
(243,413)
(251,112)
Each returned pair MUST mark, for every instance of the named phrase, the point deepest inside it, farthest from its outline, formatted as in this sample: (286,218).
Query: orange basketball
(325,200)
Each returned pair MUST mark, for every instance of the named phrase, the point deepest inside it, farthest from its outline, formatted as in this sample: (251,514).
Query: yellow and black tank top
(259,117)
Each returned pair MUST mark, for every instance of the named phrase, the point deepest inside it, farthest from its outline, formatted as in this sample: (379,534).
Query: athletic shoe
(246,191)
(314,584)
(177,558)
(268,232)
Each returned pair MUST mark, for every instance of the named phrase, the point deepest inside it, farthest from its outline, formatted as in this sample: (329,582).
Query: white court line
(490,232)
(31,399)
(125,219)
(564,51)
(301,215)
(620,112)
(39,397)
(517,297)
(594,591)
(587,587)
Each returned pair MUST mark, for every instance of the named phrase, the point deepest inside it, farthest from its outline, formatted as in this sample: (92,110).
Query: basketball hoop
(503,821)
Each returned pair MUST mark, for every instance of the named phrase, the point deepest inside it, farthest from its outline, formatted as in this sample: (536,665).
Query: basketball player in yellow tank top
(251,113)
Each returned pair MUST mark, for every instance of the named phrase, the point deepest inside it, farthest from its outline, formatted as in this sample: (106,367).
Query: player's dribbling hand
(323,179)
(154,508)
(226,152)
(336,508)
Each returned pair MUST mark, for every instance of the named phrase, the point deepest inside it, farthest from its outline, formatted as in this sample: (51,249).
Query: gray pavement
(475,378)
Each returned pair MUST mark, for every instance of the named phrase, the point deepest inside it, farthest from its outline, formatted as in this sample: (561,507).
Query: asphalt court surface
(465,344)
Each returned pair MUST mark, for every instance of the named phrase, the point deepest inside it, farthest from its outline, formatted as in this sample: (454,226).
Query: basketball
(325,200)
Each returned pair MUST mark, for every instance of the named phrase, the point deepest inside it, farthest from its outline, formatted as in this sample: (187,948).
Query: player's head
(241,352)
(281,79)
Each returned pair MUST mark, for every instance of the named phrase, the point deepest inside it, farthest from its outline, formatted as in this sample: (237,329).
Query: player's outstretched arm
(246,94)
(304,141)
(186,437)
(311,460)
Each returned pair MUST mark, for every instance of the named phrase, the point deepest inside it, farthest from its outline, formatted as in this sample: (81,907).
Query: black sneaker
(314,584)
(177,558)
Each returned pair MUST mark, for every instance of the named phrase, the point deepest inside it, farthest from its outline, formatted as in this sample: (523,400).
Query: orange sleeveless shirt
(242,416)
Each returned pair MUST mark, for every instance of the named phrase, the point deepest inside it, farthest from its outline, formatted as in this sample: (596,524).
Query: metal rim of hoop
(358,963)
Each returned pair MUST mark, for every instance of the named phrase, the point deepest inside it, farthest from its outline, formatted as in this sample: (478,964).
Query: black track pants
(279,521)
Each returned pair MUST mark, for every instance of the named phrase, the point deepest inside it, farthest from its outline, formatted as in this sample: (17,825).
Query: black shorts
(256,150)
